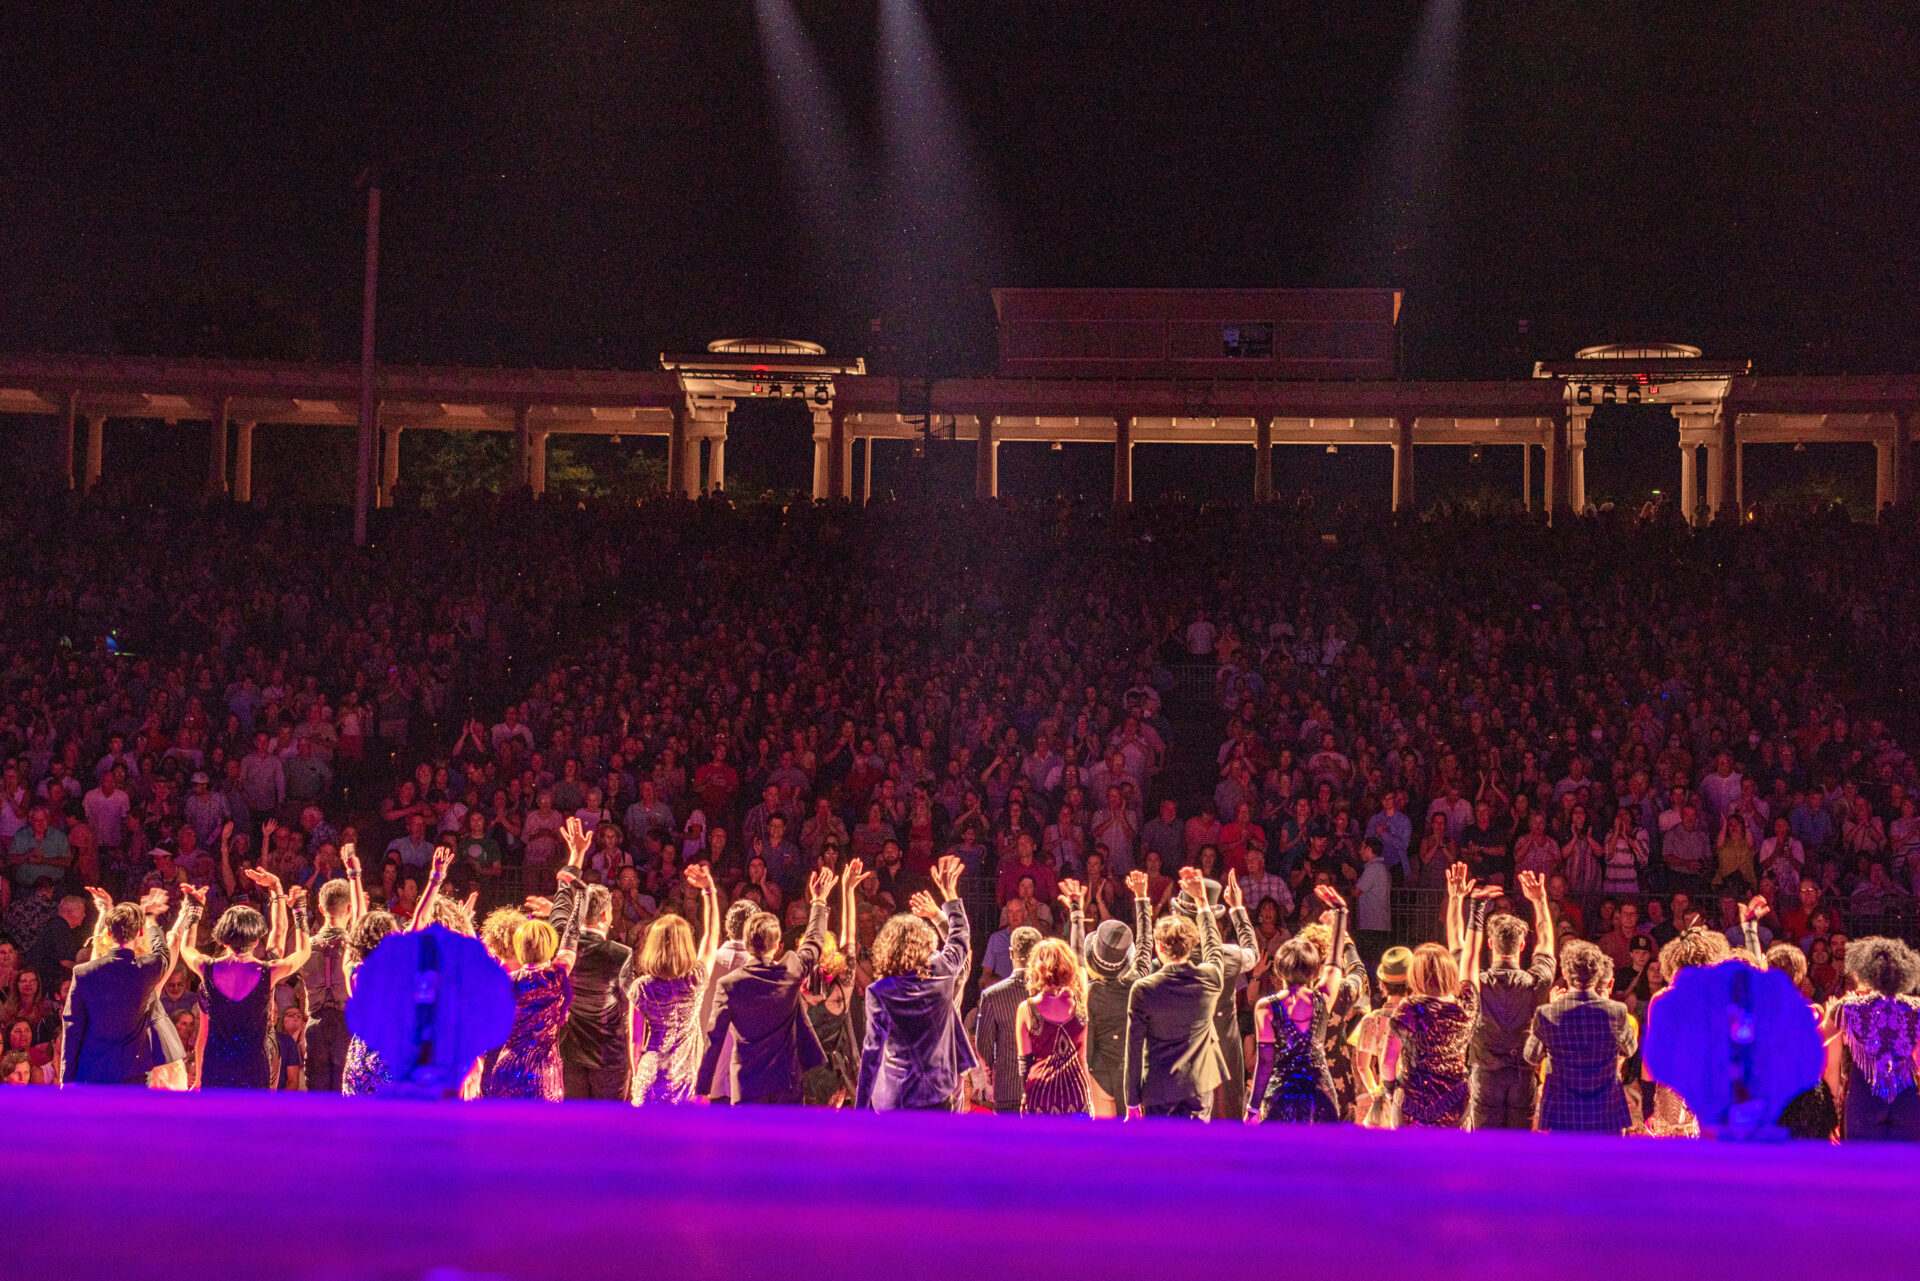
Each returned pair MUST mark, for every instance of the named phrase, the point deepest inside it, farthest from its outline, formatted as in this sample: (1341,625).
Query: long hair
(904,946)
(1052,967)
(1433,972)
(667,951)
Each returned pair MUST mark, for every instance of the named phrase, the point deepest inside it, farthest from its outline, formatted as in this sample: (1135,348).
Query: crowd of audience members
(1673,730)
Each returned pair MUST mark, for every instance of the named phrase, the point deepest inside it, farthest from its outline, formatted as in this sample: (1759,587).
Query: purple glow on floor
(147,1185)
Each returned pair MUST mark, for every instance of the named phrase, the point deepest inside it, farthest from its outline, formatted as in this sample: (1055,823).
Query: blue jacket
(916,1051)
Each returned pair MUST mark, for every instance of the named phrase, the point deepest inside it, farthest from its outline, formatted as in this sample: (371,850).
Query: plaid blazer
(1583,1036)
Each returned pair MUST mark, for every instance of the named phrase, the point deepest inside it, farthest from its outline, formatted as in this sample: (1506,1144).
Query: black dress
(237,1034)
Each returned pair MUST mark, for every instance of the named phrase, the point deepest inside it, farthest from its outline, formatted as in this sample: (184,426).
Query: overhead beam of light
(1403,230)
(939,239)
(817,152)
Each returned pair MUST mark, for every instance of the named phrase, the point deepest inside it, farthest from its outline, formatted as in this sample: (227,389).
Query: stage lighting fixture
(1633,393)
(1333,449)
(1056,446)
(1609,394)
(1583,394)
(821,395)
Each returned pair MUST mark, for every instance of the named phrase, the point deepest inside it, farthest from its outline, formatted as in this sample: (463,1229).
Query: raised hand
(442,860)
(923,906)
(699,876)
(152,903)
(226,833)
(1073,895)
(1457,884)
(294,898)
(267,830)
(264,879)
(537,906)
(350,858)
(856,873)
(820,884)
(1137,884)
(1194,885)
(102,901)
(946,877)
(1330,896)
(1754,909)
(1533,887)
(473,902)
(1230,893)
(195,894)
(578,842)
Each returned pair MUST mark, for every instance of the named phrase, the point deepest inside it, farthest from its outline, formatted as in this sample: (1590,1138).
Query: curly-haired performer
(1880,1024)
(915,1051)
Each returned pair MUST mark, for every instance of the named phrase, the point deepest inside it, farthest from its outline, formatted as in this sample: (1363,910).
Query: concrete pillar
(1728,461)
(217,449)
(63,454)
(717,464)
(243,462)
(1263,459)
(839,455)
(820,452)
(537,461)
(1577,476)
(1403,463)
(1903,457)
(1882,475)
(96,447)
(994,478)
(1559,467)
(985,459)
(1526,477)
(1689,483)
(522,449)
(677,453)
(1716,477)
(690,478)
(866,480)
(389,464)
(1122,460)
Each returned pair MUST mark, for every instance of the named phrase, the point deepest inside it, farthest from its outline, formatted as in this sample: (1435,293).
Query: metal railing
(1418,915)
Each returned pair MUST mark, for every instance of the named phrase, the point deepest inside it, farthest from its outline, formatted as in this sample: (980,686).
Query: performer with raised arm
(1051,1028)
(1434,1022)
(1502,1087)
(324,977)
(1112,963)
(596,1041)
(915,1052)
(106,1023)
(528,1066)
(773,1046)
(1291,1082)
(365,1072)
(669,976)
(1174,1061)
(238,987)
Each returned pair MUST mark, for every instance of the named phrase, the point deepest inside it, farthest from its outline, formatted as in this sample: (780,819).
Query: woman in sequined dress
(1291,1082)
(529,1063)
(1435,1022)
(1879,1025)
(671,973)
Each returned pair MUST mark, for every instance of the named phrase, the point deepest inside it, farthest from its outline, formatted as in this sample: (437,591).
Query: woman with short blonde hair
(670,977)
(1051,1034)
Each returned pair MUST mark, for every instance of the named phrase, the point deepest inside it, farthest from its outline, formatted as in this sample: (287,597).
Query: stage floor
(146,1185)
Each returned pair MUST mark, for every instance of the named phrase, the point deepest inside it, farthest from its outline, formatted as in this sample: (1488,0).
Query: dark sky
(586,184)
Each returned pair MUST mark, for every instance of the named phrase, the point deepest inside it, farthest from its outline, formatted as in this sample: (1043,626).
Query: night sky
(587,184)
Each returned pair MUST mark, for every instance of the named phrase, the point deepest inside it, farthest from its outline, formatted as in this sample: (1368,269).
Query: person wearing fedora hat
(1113,963)
(1375,1052)
(1236,958)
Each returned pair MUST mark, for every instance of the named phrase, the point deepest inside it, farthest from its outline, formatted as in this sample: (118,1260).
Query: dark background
(588,184)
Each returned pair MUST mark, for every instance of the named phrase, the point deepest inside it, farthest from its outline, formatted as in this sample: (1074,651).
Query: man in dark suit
(1585,1036)
(595,1056)
(1174,1061)
(594,1042)
(107,1017)
(773,1043)
(1236,958)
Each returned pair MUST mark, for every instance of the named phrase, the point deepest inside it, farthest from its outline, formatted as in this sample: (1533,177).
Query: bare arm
(436,877)
(701,878)
(356,888)
(1534,887)
(290,964)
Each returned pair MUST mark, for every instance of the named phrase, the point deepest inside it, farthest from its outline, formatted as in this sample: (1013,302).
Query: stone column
(1559,467)
(63,455)
(96,448)
(1122,460)
(985,459)
(866,480)
(1689,482)
(1728,462)
(1403,463)
(820,452)
(717,464)
(1577,476)
(537,462)
(839,458)
(522,449)
(677,452)
(217,449)
(243,462)
(389,464)
(1263,458)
